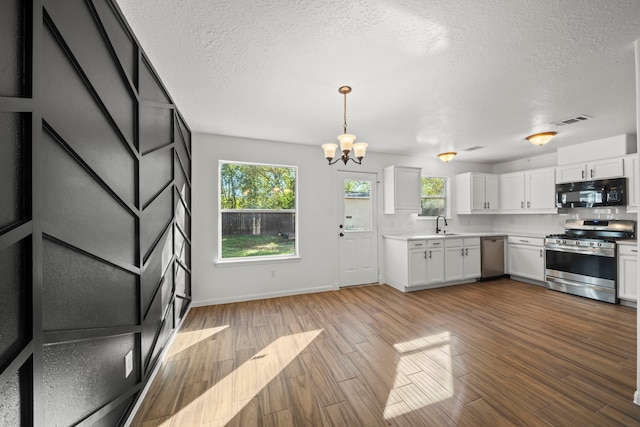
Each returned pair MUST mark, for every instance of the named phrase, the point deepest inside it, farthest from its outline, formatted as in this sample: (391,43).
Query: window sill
(236,262)
(431,218)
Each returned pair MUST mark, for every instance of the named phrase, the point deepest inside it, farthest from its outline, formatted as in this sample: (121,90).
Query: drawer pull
(523,241)
(418,244)
(634,250)
(436,244)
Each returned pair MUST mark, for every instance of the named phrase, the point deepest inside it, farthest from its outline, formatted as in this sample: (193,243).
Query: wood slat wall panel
(86,230)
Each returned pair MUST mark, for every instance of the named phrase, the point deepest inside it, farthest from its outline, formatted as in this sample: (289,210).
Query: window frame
(259,258)
(446,197)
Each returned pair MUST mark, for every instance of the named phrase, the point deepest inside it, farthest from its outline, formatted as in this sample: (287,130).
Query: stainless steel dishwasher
(492,256)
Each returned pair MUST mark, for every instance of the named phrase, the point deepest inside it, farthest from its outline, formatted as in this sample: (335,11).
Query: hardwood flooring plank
(381,380)
(161,401)
(248,414)
(305,408)
(327,353)
(219,397)
(560,417)
(424,407)
(325,388)
(341,414)
(279,419)
(480,413)
(363,402)
(492,353)
(190,405)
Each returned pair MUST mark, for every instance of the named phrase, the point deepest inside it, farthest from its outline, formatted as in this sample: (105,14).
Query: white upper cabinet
(402,190)
(528,192)
(512,197)
(601,169)
(477,193)
(631,173)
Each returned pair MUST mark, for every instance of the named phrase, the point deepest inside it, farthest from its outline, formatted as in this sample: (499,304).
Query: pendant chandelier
(346,140)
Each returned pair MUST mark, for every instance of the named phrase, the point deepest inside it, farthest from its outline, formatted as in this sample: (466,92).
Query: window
(434,196)
(357,205)
(257,211)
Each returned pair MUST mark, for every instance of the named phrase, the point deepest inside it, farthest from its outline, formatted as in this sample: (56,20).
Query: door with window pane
(357,228)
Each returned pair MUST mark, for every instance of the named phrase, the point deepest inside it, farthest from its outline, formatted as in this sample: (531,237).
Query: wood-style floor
(496,353)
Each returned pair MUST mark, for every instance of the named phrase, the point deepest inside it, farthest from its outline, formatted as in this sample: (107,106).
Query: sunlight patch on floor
(186,339)
(431,384)
(228,397)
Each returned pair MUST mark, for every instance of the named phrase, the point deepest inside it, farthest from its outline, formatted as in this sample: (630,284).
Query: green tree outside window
(434,196)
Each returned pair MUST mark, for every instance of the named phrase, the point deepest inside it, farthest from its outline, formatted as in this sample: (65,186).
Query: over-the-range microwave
(592,194)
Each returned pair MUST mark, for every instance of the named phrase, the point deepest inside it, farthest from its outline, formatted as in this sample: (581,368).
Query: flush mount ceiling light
(540,138)
(445,157)
(346,140)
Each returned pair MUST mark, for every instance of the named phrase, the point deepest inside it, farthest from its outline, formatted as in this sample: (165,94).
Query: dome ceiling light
(540,139)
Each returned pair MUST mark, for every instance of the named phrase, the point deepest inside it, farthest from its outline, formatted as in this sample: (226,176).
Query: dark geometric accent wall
(95,219)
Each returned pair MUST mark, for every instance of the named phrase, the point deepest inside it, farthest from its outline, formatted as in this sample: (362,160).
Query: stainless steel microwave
(592,194)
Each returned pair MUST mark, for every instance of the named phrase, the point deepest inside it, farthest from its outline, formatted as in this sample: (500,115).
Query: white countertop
(439,236)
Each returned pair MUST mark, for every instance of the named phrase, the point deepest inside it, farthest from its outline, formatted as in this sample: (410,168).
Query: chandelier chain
(345,112)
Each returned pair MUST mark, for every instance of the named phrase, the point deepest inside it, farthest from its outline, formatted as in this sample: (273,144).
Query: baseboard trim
(253,297)
(159,364)
(527,280)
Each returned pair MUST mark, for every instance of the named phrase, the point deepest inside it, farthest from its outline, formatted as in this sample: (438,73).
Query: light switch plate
(128,364)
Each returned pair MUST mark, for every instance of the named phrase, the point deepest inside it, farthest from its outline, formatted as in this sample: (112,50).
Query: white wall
(317,206)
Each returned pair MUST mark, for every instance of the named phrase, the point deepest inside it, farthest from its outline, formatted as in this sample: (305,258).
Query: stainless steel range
(583,260)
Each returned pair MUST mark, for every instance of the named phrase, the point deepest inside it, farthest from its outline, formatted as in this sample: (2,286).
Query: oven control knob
(564,242)
(599,244)
(591,243)
(558,241)
(577,243)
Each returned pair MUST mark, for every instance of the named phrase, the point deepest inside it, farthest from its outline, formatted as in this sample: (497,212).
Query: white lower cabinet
(435,262)
(628,272)
(416,264)
(525,257)
(462,259)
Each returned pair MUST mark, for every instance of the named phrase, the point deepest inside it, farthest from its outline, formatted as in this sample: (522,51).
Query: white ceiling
(427,76)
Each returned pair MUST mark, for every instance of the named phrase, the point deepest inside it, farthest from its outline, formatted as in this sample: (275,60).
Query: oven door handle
(610,253)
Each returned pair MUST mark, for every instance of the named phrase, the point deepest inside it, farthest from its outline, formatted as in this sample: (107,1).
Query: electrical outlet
(128,364)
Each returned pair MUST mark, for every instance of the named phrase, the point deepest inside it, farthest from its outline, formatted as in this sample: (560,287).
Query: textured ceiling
(427,76)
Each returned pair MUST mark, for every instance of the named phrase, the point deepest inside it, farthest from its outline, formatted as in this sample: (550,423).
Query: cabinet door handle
(466,252)
(521,205)
(488,205)
(425,254)
(583,174)
(429,254)
(528,204)
(462,251)
(591,173)
(541,253)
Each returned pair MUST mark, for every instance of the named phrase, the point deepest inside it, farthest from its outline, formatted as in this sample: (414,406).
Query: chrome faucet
(438,229)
